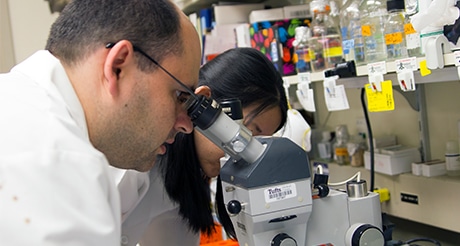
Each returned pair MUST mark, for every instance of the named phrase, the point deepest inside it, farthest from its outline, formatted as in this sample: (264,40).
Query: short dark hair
(86,25)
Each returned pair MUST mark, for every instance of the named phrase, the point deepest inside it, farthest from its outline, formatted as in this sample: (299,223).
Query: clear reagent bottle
(325,43)
(341,155)
(395,38)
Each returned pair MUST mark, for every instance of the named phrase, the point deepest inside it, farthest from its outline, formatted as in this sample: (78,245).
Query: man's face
(152,114)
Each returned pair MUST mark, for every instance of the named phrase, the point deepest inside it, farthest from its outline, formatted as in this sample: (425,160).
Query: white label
(457,58)
(377,67)
(413,41)
(452,162)
(304,77)
(406,64)
(278,193)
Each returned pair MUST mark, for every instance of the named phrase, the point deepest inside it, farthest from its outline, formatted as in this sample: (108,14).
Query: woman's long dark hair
(242,73)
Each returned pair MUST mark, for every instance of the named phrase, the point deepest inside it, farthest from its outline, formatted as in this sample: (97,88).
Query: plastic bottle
(413,42)
(350,28)
(395,38)
(300,43)
(452,158)
(373,17)
(341,155)
(325,43)
(324,147)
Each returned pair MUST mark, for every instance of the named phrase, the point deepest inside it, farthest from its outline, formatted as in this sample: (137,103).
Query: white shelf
(446,74)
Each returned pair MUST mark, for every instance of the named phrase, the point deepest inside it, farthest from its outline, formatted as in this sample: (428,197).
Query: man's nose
(184,123)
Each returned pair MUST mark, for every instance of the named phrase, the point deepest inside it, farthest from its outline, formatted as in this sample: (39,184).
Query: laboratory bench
(436,214)
(407,230)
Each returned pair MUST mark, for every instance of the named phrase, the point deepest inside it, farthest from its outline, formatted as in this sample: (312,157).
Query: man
(106,90)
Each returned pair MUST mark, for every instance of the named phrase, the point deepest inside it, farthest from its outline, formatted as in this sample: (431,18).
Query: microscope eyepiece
(203,111)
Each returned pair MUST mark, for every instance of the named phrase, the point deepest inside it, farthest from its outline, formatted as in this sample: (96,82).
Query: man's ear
(203,90)
(119,57)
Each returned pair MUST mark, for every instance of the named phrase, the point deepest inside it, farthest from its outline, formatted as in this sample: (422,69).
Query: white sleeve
(169,229)
(58,198)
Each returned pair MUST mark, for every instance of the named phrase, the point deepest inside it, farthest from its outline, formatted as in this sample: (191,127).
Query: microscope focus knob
(283,239)
(234,207)
(364,234)
(323,190)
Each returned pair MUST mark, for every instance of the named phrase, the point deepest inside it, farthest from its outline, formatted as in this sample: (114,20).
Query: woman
(190,162)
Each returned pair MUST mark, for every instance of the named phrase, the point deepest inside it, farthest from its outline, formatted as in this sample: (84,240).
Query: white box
(221,39)
(266,15)
(417,168)
(384,141)
(393,160)
(234,13)
(431,169)
(297,11)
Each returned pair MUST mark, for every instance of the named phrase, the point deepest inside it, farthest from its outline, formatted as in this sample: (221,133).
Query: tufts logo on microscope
(278,193)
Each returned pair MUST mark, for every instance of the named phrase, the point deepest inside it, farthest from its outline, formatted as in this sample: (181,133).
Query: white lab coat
(154,219)
(55,187)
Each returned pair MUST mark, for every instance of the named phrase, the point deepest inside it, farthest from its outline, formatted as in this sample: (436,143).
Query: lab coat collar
(47,71)
(132,185)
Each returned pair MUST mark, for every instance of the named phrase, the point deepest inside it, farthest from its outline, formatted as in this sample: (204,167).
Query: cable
(371,139)
(422,239)
(357,176)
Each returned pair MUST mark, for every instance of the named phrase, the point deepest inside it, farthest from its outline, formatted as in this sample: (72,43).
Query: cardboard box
(393,160)
(297,11)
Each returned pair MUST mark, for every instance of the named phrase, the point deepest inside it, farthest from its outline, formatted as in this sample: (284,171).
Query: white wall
(7,58)
(29,24)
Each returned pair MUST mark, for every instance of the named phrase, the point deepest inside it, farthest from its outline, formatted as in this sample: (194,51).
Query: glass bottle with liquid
(413,41)
(341,155)
(452,158)
(395,38)
(300,43)
(350,28)
(373,17)
(325,44)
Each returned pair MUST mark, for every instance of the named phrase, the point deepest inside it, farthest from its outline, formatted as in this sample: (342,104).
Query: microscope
(269,193)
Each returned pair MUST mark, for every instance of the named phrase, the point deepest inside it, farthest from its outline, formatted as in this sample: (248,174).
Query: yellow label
(366,31)
(409,29)
(334,51)
(312,54)
(380,100)
(341,152)
(393,38)
(424,70)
